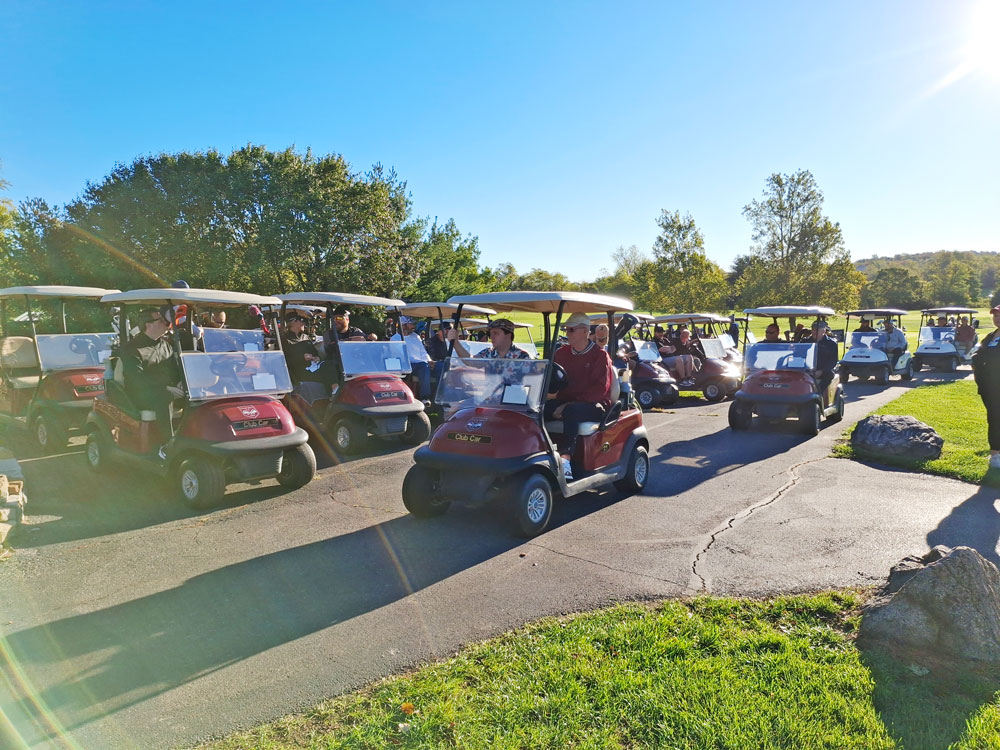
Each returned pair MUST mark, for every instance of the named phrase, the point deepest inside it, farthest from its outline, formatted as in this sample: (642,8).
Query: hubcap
(42,432)
(537,504)
(93,453)
(189,484)
(343,436)
(645,398)
(641,469)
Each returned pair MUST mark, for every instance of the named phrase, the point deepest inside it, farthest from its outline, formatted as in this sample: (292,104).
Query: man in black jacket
(152,377)
(827,356)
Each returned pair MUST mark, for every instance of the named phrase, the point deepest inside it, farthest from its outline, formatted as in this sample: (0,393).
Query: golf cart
(371,397)
(779,379)
(496,445)
(229,424)
(863,360)
(48,381)
(717,377)
(936,345)
(652,384)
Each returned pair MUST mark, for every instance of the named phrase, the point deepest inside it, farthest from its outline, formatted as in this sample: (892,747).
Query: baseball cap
(341,310)
(405,319)
(575,320)
(503,324)
(819,324)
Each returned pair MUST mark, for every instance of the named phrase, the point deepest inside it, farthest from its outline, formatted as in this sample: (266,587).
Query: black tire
(670,395)
(907,374)
(740,416)
(953,364)
(420,495)
(49,432)
(98,451)
(418,428)
(200,482)
(845,374)
(647,397)
(298,467)
(917,364)
(714,391)
(882,378)
(637,473)
(529,502)
(839,414)
(809,416)
(349,434)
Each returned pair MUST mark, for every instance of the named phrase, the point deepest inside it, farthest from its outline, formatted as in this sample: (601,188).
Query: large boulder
(890,435)
(945,605)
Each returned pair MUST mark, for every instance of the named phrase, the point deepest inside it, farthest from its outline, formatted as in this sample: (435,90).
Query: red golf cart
(371,397)
(780,379)
(495,445)
(228,426)
(717,377)
(48,375)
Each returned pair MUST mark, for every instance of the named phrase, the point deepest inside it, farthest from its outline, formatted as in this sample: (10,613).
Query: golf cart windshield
(374,357)
(66,351)
(863,340)
(509,383)
(233,340)
(713,348)
(929,333)
(781,356)
(648,351)
(222,374)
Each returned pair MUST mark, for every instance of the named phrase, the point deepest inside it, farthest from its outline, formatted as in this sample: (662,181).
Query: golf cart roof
(691,318)
(81,292)
(949,311)
(440,309)
(310,310)
(340,298)
(200,297)
(791,311)
(881,312)
(545,302)
(601,317)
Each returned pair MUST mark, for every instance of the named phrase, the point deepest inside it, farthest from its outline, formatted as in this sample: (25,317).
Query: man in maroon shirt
(587,396)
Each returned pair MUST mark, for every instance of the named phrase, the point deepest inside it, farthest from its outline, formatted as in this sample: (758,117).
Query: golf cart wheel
(907,374)
(845,374)
(418,428)
(670,395)
(529,499)
(298,467)
(349,434)
(740,416)
(809,416)
(882,378)
(917,364)
(637,473)
(646,397)
(49,432)
(97,451)
(714,391)
(200,482)
(952,365)
(839,414)
(420,494)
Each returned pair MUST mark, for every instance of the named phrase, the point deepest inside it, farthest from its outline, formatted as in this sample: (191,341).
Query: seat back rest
(18,352)
(119,371)
(616,387)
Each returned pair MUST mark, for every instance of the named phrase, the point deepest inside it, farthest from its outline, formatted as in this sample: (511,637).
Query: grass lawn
(706,673)
(957,413)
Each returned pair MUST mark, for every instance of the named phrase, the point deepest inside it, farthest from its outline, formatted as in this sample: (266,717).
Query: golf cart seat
(311,391)
(589,428)
(117,395)
(19,361)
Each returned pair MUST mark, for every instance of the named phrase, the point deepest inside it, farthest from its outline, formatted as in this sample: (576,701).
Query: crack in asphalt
(333,496)
(685,586)
(744,514)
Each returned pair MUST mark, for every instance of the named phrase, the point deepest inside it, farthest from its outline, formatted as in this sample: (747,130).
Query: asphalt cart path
(131,622)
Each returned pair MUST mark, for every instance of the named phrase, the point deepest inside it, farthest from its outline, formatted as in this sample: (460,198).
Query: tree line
(283,221)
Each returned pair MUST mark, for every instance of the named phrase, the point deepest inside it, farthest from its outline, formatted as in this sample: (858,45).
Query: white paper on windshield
(264,381)
(313,366)
(515,394)
(250,346)
(393,363)
(102,355)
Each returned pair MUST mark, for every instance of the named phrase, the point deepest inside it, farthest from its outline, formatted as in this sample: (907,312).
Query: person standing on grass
(986,370)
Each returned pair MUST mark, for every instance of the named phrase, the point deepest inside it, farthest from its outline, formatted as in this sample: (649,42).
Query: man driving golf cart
(501,332)
(892,341)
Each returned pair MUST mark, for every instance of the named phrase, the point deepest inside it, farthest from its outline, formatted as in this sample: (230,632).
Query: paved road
(130,622)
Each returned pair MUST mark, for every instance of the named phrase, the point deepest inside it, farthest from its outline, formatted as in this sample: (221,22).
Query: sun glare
(982,51)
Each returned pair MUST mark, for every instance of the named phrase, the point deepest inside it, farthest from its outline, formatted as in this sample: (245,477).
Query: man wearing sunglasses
(304,362)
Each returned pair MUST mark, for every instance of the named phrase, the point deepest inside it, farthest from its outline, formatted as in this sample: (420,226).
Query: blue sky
(554,131)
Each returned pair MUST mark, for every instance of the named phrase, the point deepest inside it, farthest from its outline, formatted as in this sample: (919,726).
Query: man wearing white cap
(501,332)
(419,358)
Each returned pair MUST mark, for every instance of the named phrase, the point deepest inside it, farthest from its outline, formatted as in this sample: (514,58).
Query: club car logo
(249,411)
(475,424)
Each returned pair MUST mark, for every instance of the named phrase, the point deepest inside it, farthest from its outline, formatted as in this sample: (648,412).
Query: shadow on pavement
(95,664)
(975,523)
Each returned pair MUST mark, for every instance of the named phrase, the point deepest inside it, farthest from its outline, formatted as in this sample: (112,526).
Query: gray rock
(947,608)
(891,435)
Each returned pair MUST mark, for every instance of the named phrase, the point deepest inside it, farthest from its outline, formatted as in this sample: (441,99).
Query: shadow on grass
(925,710)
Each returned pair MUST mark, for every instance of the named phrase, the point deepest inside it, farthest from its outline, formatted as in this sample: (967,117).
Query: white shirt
(414,347)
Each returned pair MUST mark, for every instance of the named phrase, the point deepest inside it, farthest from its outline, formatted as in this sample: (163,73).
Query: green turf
(956,412)
(707,673)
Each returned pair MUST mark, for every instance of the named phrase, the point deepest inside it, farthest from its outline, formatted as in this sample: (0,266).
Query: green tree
(540,280)
(895,287)
(681,278)
(798,257)
(952,280)
(448,264)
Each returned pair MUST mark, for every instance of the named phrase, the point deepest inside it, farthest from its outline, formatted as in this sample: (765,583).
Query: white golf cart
(936,345)
(863,359)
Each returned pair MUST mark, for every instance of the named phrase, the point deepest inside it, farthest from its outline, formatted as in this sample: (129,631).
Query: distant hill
(986,265)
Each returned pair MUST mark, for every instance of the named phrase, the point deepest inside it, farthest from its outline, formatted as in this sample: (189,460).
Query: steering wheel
(81,345)
(559,379)
(226,367)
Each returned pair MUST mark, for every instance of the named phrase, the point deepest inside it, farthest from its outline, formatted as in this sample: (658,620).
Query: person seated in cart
(152,376)
(965,336)
(501,332)
(436,345)
(304,362)
(892,341)
(343,328)
(587,394)
(866,325)
(420,360)
(600,335)
(772,334)
(827,356)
